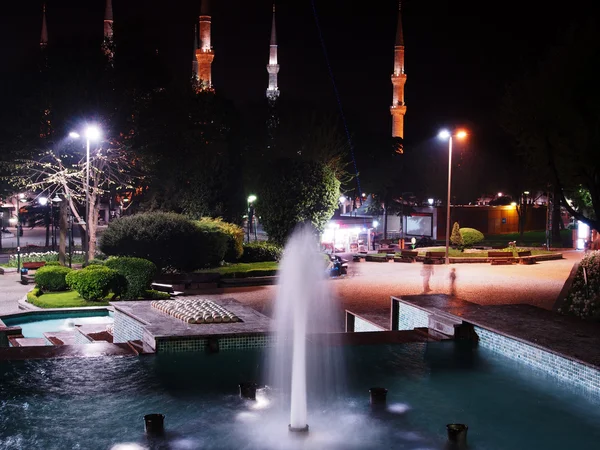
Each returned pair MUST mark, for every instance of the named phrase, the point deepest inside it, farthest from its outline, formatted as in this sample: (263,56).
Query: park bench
(500,258)
(358,257)
(435,257)
(33,265)
(409,256)
(525,257)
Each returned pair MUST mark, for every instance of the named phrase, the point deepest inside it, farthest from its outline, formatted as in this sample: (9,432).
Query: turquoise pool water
(35,325)
(99,403)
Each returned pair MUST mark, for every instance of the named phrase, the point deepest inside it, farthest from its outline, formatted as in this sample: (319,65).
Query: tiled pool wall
(361,325)
(195,344)
(81,338)
(580,375)
(126,328)
(410,317)
(566,369)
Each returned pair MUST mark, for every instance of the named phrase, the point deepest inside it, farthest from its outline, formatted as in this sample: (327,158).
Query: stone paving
(11,291)
(369,285)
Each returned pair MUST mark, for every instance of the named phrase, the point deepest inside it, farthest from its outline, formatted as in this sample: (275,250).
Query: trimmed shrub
(52,278)
(138,272)
(171,241)
(93,262)
(471,236)
(96,282)
(152,294)
(456,236)
(261,252)
(52,263)
(234,233)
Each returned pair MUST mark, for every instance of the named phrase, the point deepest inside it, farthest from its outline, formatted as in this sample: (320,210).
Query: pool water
(99,403)
(34,326)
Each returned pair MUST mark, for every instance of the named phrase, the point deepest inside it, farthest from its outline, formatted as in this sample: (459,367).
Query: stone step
(61,337)
(443,322)
(139,347)
(29,342)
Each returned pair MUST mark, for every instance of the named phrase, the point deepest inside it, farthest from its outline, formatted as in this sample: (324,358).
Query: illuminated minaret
(194,60)
(204,54)
(273,67)
(398,108)
(44,35)
(108,44)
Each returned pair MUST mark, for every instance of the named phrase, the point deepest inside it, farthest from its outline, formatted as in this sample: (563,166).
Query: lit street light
(91,133)
(445,134)
(251,199)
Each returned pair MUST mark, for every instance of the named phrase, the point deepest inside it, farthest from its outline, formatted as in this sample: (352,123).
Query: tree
(52,173)
(553,115)
(386,182)
(456,238)
(294,191)
(197,127)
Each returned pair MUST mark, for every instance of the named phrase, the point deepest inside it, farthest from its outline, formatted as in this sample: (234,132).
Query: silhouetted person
(452,277)
(426,273)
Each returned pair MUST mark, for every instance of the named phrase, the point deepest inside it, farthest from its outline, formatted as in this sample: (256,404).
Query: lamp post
(445,134)
(251,199)
(57,200)
(19,197)
(92,133)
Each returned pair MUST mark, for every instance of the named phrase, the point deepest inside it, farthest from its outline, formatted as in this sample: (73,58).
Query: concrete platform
(159,324)
(570,337)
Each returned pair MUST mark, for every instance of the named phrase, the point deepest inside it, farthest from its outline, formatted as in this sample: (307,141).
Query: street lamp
(57,200)
(91,133)
(445,134)
(43,201)
(19,197)
(251,199)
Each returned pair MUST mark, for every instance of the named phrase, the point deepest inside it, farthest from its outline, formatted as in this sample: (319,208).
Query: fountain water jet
(302,363)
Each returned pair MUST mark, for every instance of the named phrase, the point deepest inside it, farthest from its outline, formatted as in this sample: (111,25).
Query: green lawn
(244,269)
(66,299)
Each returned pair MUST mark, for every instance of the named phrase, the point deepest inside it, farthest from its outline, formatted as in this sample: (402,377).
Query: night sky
(459,55)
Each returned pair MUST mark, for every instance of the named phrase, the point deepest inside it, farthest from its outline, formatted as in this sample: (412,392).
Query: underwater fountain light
(378,396)
(154,424)
(303,429)
(248,390)
(457,435)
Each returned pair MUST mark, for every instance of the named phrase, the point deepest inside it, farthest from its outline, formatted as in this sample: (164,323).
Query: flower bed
(583,299)
(50,256)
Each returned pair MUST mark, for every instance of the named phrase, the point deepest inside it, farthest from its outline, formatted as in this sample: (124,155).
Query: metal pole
(248,225)
(87,201)
(18,240)
(52,223)
(448,202)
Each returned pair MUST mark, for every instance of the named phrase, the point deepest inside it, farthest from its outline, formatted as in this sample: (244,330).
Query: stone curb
(26,306)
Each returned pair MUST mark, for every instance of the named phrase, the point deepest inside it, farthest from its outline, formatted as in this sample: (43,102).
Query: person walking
(426,273)
(452,278)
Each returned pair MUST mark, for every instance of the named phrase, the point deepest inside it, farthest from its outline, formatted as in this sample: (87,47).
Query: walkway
(11,291)
(369,285)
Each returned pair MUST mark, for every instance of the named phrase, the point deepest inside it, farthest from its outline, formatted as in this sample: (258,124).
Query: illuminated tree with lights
(52,173)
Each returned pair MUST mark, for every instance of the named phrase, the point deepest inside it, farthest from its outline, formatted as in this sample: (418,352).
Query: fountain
(304,311)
